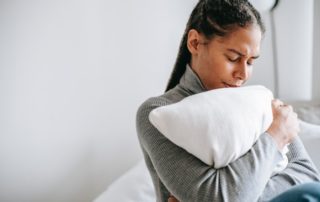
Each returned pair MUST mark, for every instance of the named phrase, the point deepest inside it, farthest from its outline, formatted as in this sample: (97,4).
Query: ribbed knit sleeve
(176,171)
(300,170)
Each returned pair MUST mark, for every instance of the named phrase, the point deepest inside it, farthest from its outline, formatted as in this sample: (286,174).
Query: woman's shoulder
(172,96)
(152,103)
(143,123)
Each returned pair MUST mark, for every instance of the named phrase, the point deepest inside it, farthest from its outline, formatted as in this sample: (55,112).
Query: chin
(216,87)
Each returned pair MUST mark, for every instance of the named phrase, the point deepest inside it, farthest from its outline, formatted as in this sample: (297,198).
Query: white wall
(294,34)
(263,71)
(72,74)
(294,37)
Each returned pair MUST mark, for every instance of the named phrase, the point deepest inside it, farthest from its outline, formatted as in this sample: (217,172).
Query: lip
(230,85)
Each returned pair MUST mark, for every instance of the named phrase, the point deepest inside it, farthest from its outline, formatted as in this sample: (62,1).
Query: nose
(242,72)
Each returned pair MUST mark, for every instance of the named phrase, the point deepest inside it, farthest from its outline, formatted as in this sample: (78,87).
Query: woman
(218,49)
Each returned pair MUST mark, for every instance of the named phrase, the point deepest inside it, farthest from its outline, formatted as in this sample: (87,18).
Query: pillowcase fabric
(217,126)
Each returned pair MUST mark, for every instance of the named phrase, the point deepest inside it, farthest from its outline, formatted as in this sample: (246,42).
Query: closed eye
(233,59)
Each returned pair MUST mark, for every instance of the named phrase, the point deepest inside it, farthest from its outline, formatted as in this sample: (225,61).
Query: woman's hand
(285,125)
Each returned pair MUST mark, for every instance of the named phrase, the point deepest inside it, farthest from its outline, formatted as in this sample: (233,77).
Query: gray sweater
(248,179)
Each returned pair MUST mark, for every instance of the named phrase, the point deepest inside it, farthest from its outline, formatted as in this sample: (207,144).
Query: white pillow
(310,135)
(309,130)
(217,126)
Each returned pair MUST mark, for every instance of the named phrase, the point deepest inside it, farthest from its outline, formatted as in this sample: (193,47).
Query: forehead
(244,39)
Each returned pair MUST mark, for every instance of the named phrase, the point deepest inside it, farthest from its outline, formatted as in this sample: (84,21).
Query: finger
(288,107)
(276,103)
(284,110)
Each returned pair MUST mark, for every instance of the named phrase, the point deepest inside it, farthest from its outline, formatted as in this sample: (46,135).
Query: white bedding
(133,186)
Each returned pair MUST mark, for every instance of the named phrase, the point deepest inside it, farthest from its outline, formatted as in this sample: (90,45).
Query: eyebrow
(241,54)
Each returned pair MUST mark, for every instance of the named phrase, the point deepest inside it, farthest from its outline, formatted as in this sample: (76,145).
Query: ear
(193,41)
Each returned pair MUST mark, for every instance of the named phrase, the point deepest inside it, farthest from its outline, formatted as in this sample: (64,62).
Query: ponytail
(213,18)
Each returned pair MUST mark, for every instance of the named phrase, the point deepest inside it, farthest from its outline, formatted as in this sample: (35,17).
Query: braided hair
(213,18)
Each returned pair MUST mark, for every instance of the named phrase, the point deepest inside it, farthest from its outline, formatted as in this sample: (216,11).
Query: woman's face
(225,61)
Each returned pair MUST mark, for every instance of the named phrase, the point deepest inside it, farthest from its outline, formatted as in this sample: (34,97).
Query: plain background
(73,73)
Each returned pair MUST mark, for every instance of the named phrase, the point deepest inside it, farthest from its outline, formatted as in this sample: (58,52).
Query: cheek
(226,68)
(215,62)
(216,66)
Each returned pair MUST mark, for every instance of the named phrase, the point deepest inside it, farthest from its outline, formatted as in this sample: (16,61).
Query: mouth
(230,85)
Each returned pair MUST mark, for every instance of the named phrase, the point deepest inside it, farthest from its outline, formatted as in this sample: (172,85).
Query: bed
(136,185)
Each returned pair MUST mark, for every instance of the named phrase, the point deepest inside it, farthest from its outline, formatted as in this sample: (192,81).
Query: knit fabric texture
(248,179)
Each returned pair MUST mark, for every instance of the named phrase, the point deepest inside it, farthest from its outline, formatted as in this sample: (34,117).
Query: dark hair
(213,18)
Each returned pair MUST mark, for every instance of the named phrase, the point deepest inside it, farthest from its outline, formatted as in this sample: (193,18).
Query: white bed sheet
(133,186)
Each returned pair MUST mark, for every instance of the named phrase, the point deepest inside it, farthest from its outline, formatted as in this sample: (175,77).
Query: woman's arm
(300,170)
(189,179)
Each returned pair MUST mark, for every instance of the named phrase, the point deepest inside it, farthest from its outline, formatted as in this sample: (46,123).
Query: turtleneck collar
(191,82)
